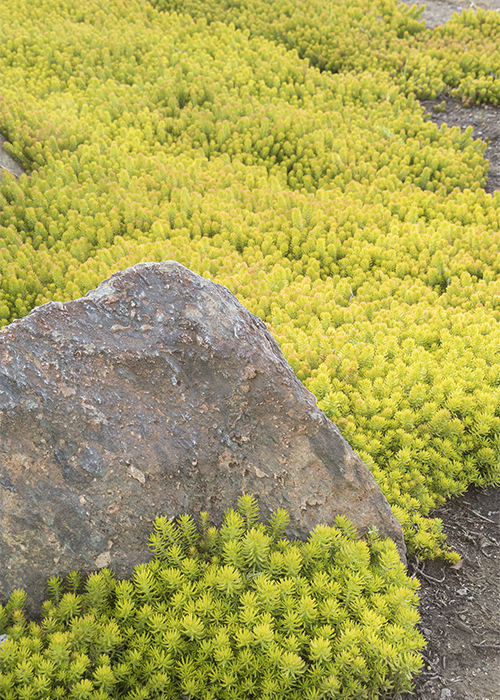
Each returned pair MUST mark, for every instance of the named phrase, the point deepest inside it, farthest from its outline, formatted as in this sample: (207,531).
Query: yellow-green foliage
(355,228)
(358,35)
(235,613)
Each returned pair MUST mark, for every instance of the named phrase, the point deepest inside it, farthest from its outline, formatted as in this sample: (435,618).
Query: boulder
(157,393)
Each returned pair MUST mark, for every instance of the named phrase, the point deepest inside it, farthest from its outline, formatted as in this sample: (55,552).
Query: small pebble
(445,693)
(462,591)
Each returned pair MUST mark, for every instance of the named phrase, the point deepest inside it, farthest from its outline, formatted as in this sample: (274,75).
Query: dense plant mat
(355,228)
(461,57)
(239,612)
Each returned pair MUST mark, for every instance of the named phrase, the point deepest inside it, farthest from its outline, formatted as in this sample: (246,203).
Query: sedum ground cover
(278,148)
(356,229)
(235,613)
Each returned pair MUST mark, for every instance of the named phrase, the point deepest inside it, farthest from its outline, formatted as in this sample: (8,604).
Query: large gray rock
(156,393)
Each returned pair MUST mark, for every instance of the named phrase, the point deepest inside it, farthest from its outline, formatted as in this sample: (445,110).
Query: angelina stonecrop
(236,612)
(278,148)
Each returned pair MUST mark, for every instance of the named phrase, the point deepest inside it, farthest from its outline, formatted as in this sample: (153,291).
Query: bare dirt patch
(460,607)
(485,122)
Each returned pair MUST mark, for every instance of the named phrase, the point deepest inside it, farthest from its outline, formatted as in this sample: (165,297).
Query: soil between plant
(438,12)
(460,607)
(485,122)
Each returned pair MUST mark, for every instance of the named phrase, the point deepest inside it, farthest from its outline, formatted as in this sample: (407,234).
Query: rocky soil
(460,605)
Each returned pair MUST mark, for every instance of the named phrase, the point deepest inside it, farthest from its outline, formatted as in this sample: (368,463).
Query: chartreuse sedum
(279,150)
(235,612)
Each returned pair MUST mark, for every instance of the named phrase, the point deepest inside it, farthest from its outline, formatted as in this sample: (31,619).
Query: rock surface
(8,163)
(156,394)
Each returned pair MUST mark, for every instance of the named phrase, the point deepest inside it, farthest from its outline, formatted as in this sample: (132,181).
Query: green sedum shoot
(235,612)
(279,148)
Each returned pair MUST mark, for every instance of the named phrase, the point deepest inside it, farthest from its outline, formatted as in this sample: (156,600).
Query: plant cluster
(358,230)
(235,612)
(461,58)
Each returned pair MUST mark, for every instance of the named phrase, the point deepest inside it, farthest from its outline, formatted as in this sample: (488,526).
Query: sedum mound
(358,35)
(239,612)
(359,231)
